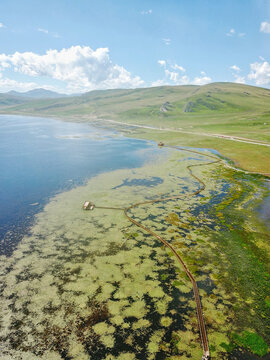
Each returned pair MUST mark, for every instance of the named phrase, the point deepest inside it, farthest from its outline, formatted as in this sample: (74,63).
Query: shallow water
(40,157)
(91,285)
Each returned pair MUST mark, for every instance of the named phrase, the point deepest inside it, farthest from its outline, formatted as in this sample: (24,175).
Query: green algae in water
(91,284)
(76,278)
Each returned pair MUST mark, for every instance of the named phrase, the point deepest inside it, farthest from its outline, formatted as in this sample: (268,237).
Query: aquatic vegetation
(91,284)
(251,341)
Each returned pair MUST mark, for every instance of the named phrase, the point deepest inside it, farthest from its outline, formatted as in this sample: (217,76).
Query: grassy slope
(7,100)
(109,103)
(218,108)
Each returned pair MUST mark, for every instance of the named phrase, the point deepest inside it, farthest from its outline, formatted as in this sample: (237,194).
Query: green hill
(7,100)
(181,101)
(104,102)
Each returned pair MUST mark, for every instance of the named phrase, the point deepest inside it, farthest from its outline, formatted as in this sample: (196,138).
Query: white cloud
(172,75)
(176,76)
(231,32)
(158,83)
(2,25)
(178,67)
(172,78)
(239,79)
(265,27)
(162,63)
(45,31)
(260,73)
(201,80)
(7,84)
(184,80)
(235,68)
(146,12)
(167,41)
(79,67)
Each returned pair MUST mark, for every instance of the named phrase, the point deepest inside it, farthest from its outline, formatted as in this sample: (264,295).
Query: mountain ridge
(39,93)
(142,104)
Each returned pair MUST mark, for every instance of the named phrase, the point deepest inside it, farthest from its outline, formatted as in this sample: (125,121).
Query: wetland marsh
(92,285)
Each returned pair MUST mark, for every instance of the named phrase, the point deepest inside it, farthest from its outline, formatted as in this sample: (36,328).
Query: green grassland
(7,100)
(218,108)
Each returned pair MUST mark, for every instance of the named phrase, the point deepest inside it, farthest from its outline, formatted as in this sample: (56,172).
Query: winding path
(200,317)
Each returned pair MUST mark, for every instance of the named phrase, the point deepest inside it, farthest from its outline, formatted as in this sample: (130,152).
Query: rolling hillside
(7,100)
(151,103)
(218,107)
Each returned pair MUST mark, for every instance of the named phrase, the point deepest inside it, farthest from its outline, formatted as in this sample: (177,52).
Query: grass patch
(252,342)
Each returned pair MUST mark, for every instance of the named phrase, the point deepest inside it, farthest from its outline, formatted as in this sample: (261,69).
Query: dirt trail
(220,136)
(200,317)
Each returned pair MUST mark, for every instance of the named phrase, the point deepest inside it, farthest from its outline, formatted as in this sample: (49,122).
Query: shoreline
(227,147)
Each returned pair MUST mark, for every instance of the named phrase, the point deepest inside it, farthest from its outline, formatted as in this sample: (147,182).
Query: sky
(75,46)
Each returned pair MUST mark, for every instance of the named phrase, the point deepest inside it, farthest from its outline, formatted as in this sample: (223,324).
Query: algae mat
(91,285)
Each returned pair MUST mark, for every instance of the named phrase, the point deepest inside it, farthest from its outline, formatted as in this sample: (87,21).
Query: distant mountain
(38,94)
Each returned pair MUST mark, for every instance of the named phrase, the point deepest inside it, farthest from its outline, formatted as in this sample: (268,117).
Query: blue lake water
(40,157)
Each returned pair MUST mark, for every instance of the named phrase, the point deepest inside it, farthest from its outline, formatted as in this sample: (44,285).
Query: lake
(40,157)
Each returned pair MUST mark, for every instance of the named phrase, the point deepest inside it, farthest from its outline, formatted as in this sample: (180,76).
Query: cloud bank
(79,67)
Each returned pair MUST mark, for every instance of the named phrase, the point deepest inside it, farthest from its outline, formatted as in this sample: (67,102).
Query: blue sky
(78,45)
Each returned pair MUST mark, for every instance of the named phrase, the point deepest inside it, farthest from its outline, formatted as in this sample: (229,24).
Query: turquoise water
(40,157)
